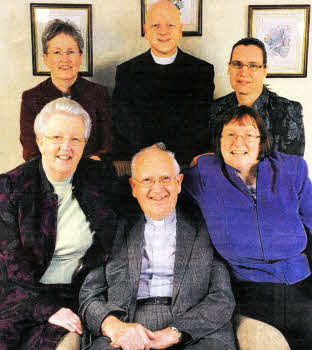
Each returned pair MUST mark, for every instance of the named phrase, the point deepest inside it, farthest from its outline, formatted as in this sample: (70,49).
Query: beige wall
(116,38)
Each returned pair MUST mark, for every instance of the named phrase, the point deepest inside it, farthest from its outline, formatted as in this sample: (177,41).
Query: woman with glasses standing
(247,70)
(62,45)
(257,204)
(55,223)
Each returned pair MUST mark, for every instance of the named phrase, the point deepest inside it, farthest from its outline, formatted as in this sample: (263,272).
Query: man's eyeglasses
(250,137)
(150,181)
(60,53)
(59,140)
(250,66)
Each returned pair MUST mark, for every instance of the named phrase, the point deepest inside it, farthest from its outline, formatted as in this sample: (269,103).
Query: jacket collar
(47,186)
(178,58)
(186,234)
(75,89)
(262,99)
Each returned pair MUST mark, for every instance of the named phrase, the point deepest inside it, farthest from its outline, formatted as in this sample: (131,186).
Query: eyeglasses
(150,181)
(250,66)
(59,53)
(169,27)
(249,138)
(59,140)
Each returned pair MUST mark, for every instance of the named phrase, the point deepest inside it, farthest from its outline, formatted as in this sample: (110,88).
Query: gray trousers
(157,317)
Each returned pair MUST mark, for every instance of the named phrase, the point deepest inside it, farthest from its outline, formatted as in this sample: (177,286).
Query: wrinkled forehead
(61,119)
(154,163)
(245,121)
(163,10)
(62,38)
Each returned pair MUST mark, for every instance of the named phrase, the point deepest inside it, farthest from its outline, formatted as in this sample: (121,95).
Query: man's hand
(128,336)
(95,157)
(165,338)
(194,160)
(67,319)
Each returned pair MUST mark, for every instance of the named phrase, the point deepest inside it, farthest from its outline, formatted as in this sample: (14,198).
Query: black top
(168,103)
(282,117)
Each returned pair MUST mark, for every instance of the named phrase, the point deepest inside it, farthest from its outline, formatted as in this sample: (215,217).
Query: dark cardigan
(28,223)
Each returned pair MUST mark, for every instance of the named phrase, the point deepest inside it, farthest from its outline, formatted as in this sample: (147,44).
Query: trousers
(285,307)
(157,317)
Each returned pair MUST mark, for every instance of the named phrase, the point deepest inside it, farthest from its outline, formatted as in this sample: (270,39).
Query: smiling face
(163,28)
(245,81)
(63,67)
(240,144)
(60,160)
(157,201)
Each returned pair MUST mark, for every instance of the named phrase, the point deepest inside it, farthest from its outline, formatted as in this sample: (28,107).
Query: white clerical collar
(168,220)
(164,60)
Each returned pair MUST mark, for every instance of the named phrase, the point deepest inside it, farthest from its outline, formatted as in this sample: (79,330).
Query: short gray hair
(62,105)
(157,146)
(57,26)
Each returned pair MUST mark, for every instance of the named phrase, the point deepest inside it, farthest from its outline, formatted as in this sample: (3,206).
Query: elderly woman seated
(55,223)
(258,208)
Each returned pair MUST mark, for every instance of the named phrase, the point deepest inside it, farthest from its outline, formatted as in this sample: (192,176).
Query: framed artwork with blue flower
(191,15)
(284,29)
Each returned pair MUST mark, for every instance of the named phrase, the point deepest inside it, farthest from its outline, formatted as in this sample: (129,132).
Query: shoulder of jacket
(24,175)
(36,89)
(207,164)
(134,60)
(195,60)
(91,85)
(279,100)
(289,162)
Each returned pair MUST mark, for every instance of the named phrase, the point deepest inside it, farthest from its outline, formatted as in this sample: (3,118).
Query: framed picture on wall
(191,15)
(80,15)
(284,29)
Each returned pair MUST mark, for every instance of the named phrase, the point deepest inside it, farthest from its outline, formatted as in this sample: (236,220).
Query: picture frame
(284,29)
(80,14)
(191,15)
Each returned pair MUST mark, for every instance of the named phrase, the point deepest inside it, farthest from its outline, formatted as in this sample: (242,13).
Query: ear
(179,181)
(40,141)
(132,184)
(81,58)
(180,30)
(45,59)
(265,71)
(144,29)
(228,70)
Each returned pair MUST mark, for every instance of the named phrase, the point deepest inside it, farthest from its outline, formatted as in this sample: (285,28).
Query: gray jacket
(202,300)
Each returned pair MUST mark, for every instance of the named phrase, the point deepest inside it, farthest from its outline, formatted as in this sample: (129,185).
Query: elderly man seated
(164,284)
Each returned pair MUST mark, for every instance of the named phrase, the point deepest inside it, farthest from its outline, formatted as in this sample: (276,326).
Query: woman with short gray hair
(55,224)
(62,45)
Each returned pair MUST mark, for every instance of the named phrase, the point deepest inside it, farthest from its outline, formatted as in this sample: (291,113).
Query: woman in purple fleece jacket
(258,208)
(55,224)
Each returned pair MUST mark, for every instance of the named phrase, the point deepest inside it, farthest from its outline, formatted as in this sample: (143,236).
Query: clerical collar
(164,60)
(168,220)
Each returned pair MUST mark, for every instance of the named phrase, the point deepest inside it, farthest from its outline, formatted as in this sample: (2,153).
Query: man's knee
(256,335)
(70,341)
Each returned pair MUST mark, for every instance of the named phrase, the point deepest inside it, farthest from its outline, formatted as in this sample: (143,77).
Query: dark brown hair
(251,41)
(238,113)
